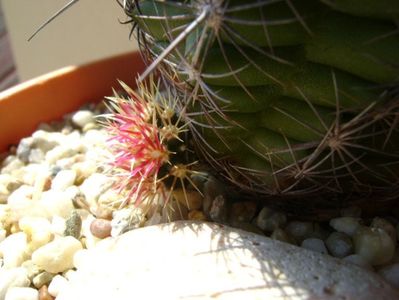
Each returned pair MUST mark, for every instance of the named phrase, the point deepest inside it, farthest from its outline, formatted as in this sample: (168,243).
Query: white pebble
(12,277)
(57,256)
(38,229)
(13,249)
(23,193)
(45,140)
(22,293)
(94,186)
(58,153)
(10,164)
(347,225)
(391,274)
(58,225)
(82,117)
(299,230)
(313,244)
(374,245)
(57,284)
(36,156)
(63,180)
(95,137)
(57,203)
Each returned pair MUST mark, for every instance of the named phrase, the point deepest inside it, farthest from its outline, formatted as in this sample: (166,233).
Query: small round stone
(243,211)
(269,220)
(348,225)
(299,230)
(313,244)
(101,228)
(192,199)
(82,117)
(374,245)
(339,244)
(280,235)
(197,215)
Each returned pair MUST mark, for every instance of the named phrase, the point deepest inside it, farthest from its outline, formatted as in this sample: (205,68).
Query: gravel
(57,199)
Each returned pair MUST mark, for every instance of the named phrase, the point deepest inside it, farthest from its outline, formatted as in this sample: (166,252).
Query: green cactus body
(291,99)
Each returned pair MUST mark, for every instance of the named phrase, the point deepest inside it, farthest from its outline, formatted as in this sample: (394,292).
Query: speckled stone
(214,261)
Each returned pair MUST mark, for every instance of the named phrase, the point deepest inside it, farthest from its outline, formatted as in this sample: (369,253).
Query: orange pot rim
(52,95)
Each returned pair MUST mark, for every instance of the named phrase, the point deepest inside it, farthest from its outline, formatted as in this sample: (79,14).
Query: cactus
(289,100)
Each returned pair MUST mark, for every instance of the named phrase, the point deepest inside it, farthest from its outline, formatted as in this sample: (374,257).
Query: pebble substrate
(56,199)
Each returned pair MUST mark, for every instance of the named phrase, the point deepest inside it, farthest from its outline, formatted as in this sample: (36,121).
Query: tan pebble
(102,212)
(101,228)
(189,198)
(13,185)
(280,235)
(3,198)
(174,211)
(47,183)
(348,225)
(197,215)
(14,228)
(374,245)
(384,225)
(89,126)
(44,294)
(299,230)
(243,211)
(269,220)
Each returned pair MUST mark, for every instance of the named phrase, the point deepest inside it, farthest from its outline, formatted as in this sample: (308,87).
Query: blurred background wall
(89,30)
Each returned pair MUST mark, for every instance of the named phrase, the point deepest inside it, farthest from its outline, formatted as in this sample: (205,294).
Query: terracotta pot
(52,95)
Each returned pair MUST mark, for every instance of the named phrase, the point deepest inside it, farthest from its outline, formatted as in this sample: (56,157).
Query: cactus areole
(294,102)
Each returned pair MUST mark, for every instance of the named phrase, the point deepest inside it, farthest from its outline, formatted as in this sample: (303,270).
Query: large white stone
(189,260)
(57,256)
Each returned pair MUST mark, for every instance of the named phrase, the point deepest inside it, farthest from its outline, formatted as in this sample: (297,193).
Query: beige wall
(87,31)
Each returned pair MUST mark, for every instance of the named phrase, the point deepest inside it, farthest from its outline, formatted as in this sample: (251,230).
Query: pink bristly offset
(137,147)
